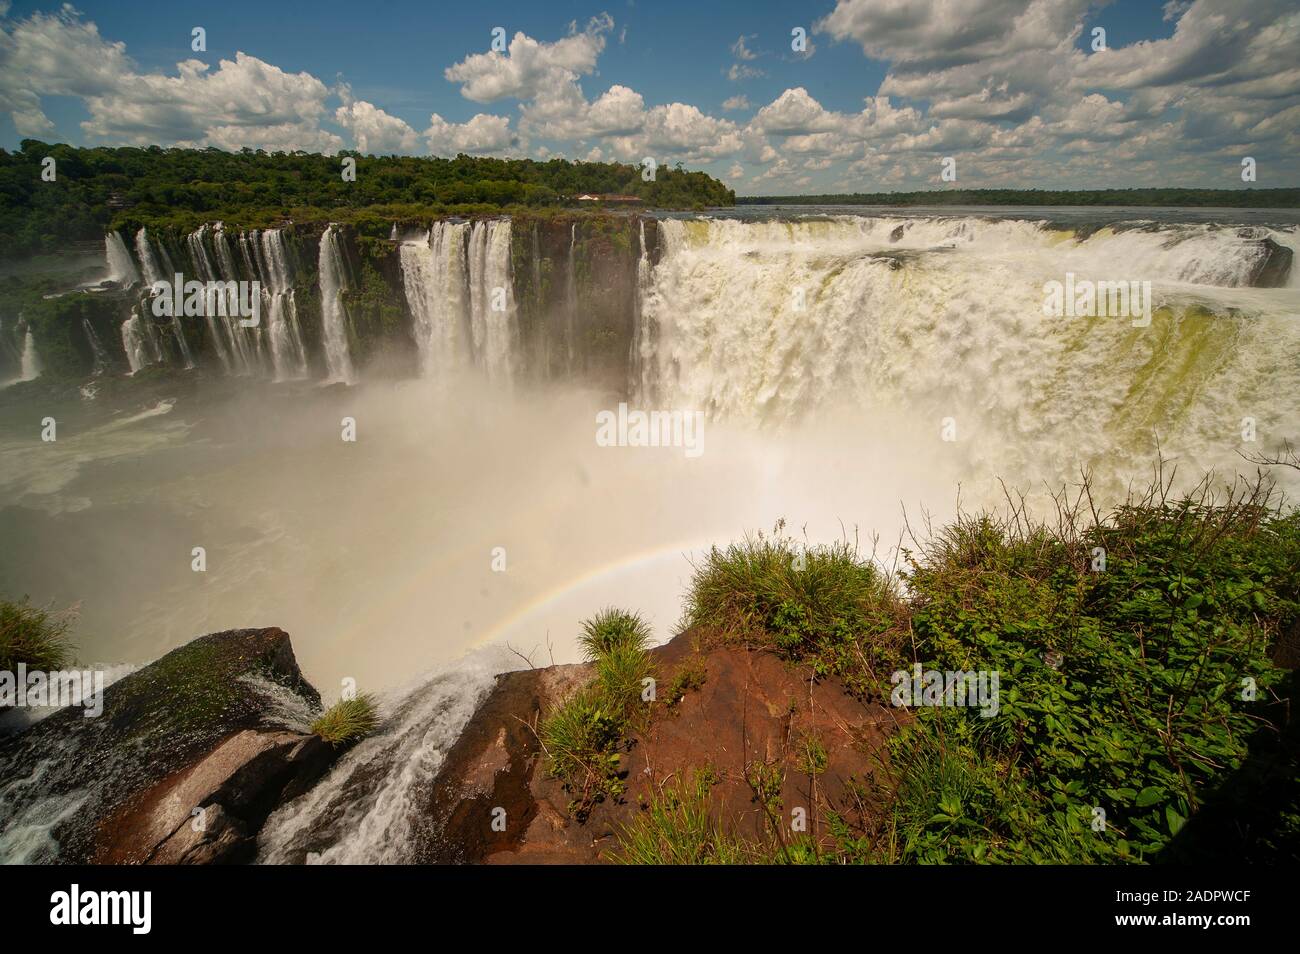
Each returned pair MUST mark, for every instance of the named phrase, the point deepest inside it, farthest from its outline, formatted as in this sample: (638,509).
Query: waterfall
(460,290)
(288,355)
(334,316)
(157,266)
(99,355)
(370,808)
(919,319)
(140,342)
(571,297)
(148,260)
(245,343)
(436,286)
(219,334)
(536,263)
(641,349)
(121,267)
(492,299)
(31,363)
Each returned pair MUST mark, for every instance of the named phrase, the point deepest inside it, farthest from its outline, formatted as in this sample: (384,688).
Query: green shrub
(582,736)
(348,720)
(1122,685)
(581,740)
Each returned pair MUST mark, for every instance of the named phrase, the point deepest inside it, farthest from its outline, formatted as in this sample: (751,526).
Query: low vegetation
(348,720)
(1141,717)
(677,829)
(823,605)
(33,636)
(583,737)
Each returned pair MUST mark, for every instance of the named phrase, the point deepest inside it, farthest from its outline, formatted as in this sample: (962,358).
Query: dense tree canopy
(98,188)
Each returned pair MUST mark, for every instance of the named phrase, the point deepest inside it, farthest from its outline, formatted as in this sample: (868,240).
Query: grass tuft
(610,629)
(348,720)
(824,605)
(33,636)
(677,829)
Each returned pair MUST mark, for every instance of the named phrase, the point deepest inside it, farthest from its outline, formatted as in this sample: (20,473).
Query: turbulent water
(833,355)
(931,319)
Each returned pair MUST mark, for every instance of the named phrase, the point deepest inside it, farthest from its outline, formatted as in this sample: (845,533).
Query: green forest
(1175,198)
(101,188)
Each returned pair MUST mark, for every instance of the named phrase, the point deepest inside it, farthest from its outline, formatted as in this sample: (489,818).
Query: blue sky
(1010,88)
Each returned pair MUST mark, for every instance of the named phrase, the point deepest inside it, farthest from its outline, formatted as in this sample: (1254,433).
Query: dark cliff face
(104,778)
(576,284)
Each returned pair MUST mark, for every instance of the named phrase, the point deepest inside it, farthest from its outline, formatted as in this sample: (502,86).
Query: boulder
(1273,270)
(219,722)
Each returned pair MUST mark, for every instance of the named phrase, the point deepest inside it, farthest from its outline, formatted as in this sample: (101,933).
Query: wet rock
(167,731)
(1273,269)
(211,811)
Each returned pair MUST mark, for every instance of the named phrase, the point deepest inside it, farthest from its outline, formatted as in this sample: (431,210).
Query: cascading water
(571,297)
(267,255)
(366,810)
(245,342)
(460,292)
(641,350)
(492,300)
(98,354)
(157,266)
(149,263)
(334,316)
(197,246)
(935,318)
(436,284)
(140,342)
(121,267)
(31,361)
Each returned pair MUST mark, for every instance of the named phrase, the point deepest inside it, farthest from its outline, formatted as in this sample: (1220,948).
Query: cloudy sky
(877,96)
